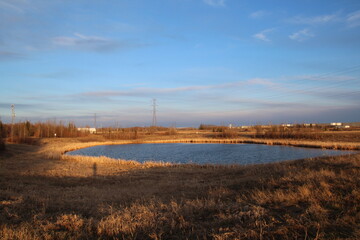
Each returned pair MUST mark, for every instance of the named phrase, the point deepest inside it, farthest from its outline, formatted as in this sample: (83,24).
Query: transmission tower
(95,121)
(154,113)
(12,121)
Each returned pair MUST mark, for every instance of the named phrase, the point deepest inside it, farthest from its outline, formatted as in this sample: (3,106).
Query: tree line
(27,132)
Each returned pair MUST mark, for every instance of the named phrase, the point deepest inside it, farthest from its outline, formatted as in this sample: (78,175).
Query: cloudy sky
(205,61)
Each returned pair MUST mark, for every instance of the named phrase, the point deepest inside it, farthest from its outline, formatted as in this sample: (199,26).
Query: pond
(205,153)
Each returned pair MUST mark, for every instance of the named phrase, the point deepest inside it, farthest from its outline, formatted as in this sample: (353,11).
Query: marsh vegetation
(47,195)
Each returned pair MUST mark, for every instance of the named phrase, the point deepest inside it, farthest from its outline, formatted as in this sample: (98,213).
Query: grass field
(45,195)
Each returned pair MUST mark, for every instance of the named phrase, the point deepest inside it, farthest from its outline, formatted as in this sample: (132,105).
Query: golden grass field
(46,195)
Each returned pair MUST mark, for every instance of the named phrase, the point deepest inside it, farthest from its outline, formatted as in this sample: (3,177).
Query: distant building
(90,130)
(336,124)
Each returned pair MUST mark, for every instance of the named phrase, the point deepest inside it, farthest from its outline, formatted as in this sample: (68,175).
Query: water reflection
(205,153)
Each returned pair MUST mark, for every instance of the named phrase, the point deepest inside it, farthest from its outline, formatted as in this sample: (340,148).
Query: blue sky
(205,61)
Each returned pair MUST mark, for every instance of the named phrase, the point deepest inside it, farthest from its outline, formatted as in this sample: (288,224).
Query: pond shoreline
(59,151)
(205,153)
(284,142)
(47,196)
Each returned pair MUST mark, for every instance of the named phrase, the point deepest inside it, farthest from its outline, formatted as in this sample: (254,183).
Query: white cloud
(301,35)
(83,42)
(353,19)
(321,19)
(215,3)
(263,35)
(258,14)
(79,39)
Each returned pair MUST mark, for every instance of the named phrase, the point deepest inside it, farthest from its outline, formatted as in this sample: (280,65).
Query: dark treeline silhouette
(27,132)
(30,133)
(2,136)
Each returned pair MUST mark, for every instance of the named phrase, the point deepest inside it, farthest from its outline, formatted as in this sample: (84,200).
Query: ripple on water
(205,153)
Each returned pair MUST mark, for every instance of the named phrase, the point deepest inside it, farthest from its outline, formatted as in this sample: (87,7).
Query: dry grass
(44,195)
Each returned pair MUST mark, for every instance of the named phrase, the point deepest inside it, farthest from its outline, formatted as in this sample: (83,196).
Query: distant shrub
(171,131)
(207,127)
(228,133)
(295,132)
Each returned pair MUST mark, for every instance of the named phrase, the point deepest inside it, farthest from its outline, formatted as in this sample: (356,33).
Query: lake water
(205,153)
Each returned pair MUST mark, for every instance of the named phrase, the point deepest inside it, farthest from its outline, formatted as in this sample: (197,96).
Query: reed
(47,195)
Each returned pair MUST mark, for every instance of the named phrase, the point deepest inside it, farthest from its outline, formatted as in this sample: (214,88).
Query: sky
(240,62)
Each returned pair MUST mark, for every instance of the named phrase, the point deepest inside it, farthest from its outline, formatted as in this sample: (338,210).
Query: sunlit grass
(46,195)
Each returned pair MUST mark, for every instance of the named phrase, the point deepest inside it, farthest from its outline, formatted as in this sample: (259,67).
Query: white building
(90,130)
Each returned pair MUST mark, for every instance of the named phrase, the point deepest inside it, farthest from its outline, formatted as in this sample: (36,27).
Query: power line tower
(12,121)
(95,121)
(154,113)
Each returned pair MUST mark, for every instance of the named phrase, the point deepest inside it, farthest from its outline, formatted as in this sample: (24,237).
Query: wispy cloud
(142,92)
(337,95)
(80,41)
(8,55)
(315,20)
(136,92)
(263,35)
(258,14)
(301,35)
(324,78)
(92,43)
(215,3)
(12,5)
(17,105)
(259,103)
(353,19)
(51,75)
(261,81)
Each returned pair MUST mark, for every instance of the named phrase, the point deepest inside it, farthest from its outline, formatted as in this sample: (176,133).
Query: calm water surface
(205,153)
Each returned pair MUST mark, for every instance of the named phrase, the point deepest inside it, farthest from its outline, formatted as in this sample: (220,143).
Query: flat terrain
(44,195)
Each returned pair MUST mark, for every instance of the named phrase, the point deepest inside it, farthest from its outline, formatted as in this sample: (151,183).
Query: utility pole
(154,113)
(12,121)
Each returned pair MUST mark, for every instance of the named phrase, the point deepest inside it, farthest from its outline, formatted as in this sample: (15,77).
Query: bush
(281,132)
(171,131)
(228,133)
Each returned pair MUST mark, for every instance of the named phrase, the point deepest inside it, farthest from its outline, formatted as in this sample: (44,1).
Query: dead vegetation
(44,195)
(300,132)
